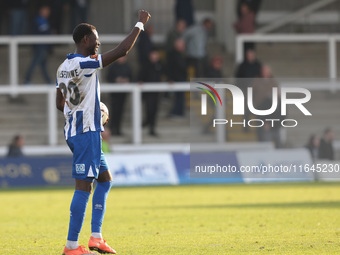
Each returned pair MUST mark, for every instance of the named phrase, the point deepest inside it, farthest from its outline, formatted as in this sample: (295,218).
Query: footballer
(78,97)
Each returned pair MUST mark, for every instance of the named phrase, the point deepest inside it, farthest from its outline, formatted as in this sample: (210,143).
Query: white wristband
(140,25)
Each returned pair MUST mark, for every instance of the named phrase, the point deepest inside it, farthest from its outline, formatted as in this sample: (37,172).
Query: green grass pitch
(296,218)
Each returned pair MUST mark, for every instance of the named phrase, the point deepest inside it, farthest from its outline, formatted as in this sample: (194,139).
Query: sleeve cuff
(100,61)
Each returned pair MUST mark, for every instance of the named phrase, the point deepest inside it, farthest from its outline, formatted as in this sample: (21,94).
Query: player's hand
(143,16)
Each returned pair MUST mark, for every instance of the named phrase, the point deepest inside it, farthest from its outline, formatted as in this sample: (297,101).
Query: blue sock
(99,205)
(78,208)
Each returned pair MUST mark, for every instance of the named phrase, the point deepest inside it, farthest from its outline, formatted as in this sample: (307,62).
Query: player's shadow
(316,204)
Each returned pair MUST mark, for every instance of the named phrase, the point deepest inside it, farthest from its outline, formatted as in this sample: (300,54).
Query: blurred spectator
(15,148)
(196,41)
(119,72)
(145,45)
(184,9)
(313,146)
(151,72)
(106,134)
(246,24)
(4,5)
(263,87)
(56,19)
(177,72)
(78,11)
(270,131)
(174,34)
(40,51)
(214,70)
(263,100)
(326,150)
(254,5)
(18,16)
(250,67)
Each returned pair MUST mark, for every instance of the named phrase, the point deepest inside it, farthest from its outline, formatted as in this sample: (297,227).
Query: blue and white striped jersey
(77,79)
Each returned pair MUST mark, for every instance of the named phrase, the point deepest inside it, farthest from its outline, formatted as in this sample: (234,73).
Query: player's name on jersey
(68,74)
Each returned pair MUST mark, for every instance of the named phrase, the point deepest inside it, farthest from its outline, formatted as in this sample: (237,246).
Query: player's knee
(105,176)
(84,186)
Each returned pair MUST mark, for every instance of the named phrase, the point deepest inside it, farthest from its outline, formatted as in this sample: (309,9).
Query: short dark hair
(81,30)
(327,130)
(16,139)
(207,20)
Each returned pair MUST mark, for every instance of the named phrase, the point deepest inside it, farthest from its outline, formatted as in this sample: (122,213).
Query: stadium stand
(298,60)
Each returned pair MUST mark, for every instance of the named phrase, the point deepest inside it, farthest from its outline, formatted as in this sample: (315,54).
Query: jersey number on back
(70,92)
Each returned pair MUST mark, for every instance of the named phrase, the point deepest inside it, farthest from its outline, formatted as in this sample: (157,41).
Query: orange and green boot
(100,245)
(79,251)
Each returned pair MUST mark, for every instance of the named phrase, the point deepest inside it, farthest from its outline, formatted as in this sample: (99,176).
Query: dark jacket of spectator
(145,45)
(18,16)
(78,12)
(174,34)
(313,146)
(119,72)
(270,132)
(262,89)
(249,69)
(246,23)
(266,104)
(177,71)
(151,72)
(214,70)
(326,150)
(253,4)
(15,148)
(14,151)
(184,9)
(41,26)
(57,15)
(176,66)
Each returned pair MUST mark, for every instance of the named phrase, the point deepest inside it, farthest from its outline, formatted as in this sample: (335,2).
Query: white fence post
(52,118)
(239,49)
(137,115)
(220,114)
(13,65)
(332,60)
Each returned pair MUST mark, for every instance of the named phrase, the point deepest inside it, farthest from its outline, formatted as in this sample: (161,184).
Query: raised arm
(125,46)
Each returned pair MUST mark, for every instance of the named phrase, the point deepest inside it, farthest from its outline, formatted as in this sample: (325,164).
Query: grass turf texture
(218,219)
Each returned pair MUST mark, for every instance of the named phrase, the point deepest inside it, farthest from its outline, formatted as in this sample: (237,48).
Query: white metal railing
(306,10)
(330,17)
(42,150)
(330,40)
(135,89)
(15,41)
